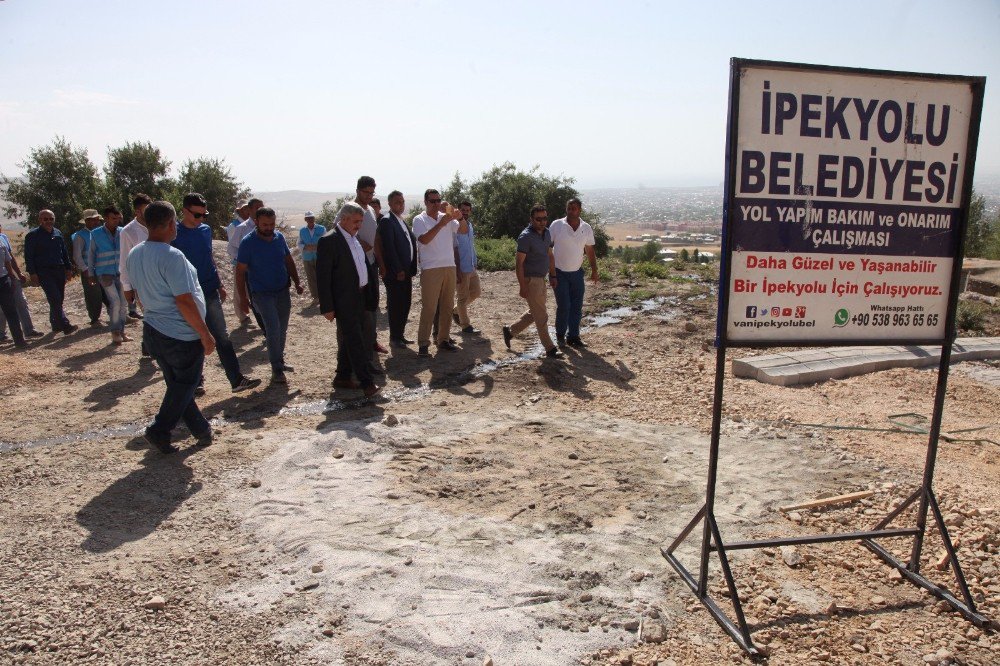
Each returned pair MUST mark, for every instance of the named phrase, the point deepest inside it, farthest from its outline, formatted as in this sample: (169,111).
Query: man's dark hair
(158,214)
(253,201)
(376,202)
(141,199)
(576,201)
(365,181)
(111,210)
(194,199)
(537,208)
(466,203)
(393,195)
(427,193)
(265,212)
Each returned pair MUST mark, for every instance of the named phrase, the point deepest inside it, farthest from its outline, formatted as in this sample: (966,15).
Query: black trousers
(352,355)
(398,298)
(9,308)
(53,282)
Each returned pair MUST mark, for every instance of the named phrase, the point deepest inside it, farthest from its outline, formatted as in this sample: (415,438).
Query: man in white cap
(309,236)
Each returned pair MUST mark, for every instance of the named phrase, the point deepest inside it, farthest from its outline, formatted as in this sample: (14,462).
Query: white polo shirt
(568,245)
(132,234)
(241,231)
(440,252)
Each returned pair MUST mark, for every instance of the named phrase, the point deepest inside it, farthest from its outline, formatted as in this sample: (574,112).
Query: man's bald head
(46,219)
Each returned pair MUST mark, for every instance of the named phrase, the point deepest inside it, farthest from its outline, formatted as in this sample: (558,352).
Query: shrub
(971,316)
(652,269)
(496,254)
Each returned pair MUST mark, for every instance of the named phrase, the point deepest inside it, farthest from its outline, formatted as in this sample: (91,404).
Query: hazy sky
(311,94)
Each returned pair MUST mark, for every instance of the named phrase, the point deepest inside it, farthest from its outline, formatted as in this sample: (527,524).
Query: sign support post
(850,229)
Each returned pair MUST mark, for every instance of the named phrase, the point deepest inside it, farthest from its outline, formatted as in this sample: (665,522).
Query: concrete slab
(812,365)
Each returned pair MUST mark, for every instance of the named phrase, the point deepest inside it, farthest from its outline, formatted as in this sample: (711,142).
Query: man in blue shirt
(173,327)
(194,239)
(20,302)
(467,288)
(265,262)
(103,271)
(48,265)
(309,235)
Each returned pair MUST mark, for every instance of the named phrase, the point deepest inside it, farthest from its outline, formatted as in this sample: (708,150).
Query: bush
(496,254)
(971,316)
(652,269)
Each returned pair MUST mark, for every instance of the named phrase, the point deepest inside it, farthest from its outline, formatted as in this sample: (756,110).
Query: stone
(338,453)
(586,597)
(317,568)
(574,456)
(630,625)
(795,517)
(654,632)
(488,661)
(637,577)
(791,556)
(690,326)
(255,483)
(155,603)
(390,420)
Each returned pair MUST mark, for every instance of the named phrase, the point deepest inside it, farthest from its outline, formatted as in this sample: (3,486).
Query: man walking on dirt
(309,235)
(265,263)
(435,231)
(194,239)
(17,292)
(132,234)
(536,270)
(572,238)
(174,329)
(48,265)
(242,307)
(93,295)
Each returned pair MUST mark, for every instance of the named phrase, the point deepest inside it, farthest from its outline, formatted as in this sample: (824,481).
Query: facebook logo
(751,312)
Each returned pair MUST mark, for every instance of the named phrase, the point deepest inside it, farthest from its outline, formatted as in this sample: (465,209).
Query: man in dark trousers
(399,265)
(342,277)
(48,265)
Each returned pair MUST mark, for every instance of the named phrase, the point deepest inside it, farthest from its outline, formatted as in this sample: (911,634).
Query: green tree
(328,213)
(685,255)
(133,168)
(211,178)
(982,233)
(457,191)
(57,177)
(504,195)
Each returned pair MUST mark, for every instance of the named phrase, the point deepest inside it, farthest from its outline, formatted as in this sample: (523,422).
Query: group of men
(166,265)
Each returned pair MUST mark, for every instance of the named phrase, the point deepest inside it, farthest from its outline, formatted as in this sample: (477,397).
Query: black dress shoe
(554,353)
(375,370)
(471,330)
(406,342)
(507,336)
(161,445)
(561,342)
(398,344)
(575,342)
(448,345)
(346,384)
(423,351)
(72,328)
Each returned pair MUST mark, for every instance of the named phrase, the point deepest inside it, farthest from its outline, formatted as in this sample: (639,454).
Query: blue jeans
(216,322)
(181,362)
(569,303)
(22,310)
(274,307)
(112,286)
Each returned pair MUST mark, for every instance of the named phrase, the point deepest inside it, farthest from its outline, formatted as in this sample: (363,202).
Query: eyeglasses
(543,218)
(434,201)
(195,215)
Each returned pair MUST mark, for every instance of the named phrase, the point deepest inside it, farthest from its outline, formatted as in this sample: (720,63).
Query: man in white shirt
(236,237)
(572,238)
(435,232)
(132,234)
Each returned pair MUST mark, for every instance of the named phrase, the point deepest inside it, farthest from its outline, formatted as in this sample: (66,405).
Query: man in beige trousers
(536,271)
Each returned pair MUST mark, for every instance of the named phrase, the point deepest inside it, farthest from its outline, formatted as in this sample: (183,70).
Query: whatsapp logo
(841,317)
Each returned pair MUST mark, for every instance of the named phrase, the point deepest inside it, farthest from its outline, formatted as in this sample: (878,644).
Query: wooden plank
(827,501)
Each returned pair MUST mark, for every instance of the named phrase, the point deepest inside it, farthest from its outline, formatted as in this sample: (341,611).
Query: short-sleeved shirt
(159,273)
(535,247)
(307,237)
(369,227)
(440,252)
(466,246)
(568,245)
(265,260)
(132,234)
(196,244)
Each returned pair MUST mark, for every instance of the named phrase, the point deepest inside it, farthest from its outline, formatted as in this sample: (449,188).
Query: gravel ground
(492,507)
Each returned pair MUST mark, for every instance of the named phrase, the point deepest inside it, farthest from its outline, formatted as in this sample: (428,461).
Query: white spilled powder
(428,550)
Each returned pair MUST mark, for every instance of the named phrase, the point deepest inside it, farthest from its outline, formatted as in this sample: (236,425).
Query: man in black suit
(342,278)
(398,266)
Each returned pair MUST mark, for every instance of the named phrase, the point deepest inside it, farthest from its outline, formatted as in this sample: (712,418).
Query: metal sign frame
(711,537)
